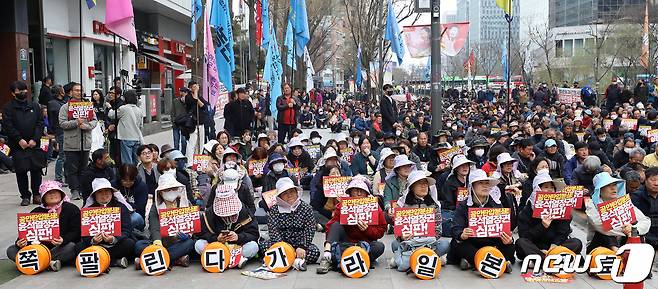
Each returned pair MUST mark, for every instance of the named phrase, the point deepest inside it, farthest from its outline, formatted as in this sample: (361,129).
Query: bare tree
(541,36)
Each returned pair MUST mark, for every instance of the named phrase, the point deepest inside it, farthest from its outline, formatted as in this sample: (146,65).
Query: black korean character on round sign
(491,266)
(427,266)
(154,262)
(89,263)
(29,259)
(355,264)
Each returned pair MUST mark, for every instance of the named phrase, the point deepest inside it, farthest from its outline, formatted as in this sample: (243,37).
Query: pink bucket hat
(48,186)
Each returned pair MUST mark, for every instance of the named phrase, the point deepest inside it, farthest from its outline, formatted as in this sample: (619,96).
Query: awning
(167,62)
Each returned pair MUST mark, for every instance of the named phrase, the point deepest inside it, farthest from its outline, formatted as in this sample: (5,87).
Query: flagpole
(80,18)
(114,56)
(509,51)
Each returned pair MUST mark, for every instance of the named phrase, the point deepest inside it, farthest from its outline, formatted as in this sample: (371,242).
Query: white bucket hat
(358,182)
(505,158)
(341,138)
(168,181)
(383,155)
(480,175)
(209,145)
(295,141)
(460,160)
(329,153)
(101,183)
(545,178)
(284,184)
(402,160)
(416,176)
(230,151)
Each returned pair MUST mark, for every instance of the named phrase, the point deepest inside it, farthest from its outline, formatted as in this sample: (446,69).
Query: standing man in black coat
(389,109)
(115,101)
(238,113)
(45,95)
(612,94)
(23,124)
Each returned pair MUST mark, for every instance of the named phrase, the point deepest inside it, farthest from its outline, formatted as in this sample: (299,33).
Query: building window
(568,48)
(578,45)
(558,48)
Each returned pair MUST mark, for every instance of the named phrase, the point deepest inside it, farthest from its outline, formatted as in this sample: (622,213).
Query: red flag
(259,22)
(468,65)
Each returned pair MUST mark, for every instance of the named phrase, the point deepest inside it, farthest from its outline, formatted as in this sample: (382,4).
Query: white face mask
(170,196)
(278,167)
(602,138)
(315,140)
(614,116)
(230,165)
(460,143)
(479,152)
(628,150)
(542,171)
(454,127)
(355,140)
(398,133)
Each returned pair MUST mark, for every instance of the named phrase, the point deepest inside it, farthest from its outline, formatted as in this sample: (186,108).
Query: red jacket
(373,233)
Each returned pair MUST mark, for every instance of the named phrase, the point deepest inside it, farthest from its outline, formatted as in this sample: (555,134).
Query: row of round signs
(355,263)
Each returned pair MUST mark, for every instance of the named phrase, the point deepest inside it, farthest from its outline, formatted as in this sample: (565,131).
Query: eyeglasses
(146,153)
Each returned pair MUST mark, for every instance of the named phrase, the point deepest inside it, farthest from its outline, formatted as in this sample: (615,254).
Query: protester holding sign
(121,246)
(420,194)
(384,168)
(256,166)
(62,249)
(538,234)
(227,220)
(482,193)
(134,190)
(340,236)
(397,182)
(291,220)
(77,119)
(170,194)
(276,171)
(453,191)
(606,189)
(323,205)
(300,162)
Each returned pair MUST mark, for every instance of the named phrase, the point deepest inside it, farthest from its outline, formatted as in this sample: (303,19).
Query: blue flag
(196,14)
(302,34)
(504,62)
(359,77)
(393,34)
(272,73)
(266,22)
(220,19)
(288,42)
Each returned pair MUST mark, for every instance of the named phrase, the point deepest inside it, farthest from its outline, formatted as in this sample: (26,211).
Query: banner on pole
(418,39)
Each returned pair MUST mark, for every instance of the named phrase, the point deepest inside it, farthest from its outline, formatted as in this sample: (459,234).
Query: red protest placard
(44,143)
(417,222)
(179,220)
(607,124)
(462,194)
(38,226)
(296,173)
(652,135)
(629,123)
(644,129)
(359,209)
(256,167)
(270,198)
(81,109)
(93,221)
(556,206)
(616,213)
(489,222)
(315,151)
(578,193)
(200,162)
(447,155)
(335,186)
(347,154)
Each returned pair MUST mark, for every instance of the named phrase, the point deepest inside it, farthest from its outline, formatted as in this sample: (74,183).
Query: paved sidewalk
(381,277)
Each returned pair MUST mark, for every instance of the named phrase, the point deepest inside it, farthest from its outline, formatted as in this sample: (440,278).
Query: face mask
(454,127)
(542,171)
(460,143)
(602,138)
(21,96)
(614,116)
(230,165)
(170,196)
(479,152)
(278,167)
(315,140)
(355,140)
(628,150)
(398,133)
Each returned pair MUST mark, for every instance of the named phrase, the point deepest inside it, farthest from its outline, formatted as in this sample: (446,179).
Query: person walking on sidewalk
(77,141)
(131,123)
(23,124)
